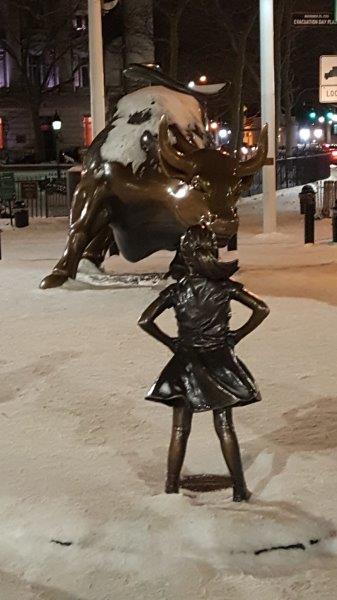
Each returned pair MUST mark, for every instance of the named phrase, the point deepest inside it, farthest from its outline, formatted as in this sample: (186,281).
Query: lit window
(87,131)
(80,22)
(40,67)
(81,76)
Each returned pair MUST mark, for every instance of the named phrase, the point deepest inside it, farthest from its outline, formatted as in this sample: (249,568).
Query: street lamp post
(56,125)
(97,94)
(268,111)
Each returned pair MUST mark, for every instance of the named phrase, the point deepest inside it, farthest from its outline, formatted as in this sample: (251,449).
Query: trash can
(21,214)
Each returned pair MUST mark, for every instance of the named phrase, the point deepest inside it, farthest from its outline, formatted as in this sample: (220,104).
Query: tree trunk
(174,46)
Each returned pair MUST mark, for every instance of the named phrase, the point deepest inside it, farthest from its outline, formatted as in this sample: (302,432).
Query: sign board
(28,190)
(313,19)
(328,79)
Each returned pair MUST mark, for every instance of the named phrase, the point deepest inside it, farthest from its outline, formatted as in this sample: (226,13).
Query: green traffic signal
(312,114)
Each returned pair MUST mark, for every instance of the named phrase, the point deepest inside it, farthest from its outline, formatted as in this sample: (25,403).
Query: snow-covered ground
(82,513)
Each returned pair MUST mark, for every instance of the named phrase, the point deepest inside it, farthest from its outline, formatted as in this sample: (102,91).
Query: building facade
(44,69)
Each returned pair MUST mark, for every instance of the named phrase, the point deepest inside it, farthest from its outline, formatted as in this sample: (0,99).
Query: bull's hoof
(53,280)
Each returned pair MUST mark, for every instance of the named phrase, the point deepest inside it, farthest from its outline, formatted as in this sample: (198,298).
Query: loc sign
(328,79)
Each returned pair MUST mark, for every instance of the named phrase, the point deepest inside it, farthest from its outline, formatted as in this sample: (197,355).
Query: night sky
(205,47)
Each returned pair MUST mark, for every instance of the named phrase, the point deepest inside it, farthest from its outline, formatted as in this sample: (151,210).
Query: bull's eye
(200,184)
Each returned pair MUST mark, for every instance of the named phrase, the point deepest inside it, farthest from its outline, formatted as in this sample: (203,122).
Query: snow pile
(151,103)
(287,200)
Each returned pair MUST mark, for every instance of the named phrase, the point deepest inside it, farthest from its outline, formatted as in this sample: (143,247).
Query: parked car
(331,149)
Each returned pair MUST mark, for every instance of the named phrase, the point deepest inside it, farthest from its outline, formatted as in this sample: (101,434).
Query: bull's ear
(174,164)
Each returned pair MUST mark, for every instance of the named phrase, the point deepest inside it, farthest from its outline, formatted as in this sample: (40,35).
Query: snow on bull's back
(141,111)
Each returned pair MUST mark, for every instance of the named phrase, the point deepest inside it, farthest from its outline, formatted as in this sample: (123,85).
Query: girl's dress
(204,373)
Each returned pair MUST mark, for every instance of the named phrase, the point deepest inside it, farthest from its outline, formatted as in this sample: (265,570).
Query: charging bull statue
(149,175)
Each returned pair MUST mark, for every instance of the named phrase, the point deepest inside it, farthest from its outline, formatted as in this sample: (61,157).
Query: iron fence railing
(42,189)
(291,172)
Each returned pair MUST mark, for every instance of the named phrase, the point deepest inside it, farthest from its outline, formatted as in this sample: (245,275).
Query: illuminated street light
(214,126)
(191,84)
(244,150)
(304,134)
(203,79)
(56,122)
(321,119)
(223,133)
(318,133)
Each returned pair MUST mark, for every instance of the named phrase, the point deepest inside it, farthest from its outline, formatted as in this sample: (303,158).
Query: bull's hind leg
(88,218)
(99,246)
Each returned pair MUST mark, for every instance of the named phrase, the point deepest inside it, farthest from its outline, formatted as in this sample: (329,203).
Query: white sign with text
(328,79)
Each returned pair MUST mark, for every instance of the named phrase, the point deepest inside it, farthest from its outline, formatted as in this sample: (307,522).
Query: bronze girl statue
(204,373)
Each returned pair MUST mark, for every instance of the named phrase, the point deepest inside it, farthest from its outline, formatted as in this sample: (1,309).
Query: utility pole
(97,92)
(268,111)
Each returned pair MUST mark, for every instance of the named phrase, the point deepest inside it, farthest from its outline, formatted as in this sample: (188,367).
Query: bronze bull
(137,213)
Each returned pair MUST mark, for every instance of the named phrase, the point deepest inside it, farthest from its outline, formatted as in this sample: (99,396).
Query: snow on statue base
(90,276)
(204,373)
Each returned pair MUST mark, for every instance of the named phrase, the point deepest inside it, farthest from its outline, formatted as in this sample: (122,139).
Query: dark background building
(44,68)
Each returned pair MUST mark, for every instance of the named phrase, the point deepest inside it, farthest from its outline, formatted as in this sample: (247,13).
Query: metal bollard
(309,221)
(306,194)
(334,222)
(233,243)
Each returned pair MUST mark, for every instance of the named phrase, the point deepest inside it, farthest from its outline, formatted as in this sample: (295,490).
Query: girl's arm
(259,312)
(151,313)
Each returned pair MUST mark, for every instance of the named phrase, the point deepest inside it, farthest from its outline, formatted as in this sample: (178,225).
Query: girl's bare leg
(224,427)
(181,427)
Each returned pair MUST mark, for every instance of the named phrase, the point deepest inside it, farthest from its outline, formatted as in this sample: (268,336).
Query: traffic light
(313,114)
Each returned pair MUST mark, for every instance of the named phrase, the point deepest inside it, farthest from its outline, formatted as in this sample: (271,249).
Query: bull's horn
(249,167)
(171,156)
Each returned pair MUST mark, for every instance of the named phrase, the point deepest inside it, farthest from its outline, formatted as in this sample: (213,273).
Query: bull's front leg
(88,201)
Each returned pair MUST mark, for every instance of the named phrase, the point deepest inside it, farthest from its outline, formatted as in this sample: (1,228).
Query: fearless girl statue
(205,373)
